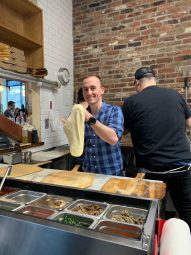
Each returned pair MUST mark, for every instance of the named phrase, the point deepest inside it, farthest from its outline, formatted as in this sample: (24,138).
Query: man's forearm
(107,134)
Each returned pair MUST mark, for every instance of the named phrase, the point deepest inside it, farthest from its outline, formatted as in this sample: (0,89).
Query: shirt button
(94,135)
(95,166)
(93,145)
(94,156)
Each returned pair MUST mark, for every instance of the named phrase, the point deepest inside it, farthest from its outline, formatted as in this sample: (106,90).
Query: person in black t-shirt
(157,117)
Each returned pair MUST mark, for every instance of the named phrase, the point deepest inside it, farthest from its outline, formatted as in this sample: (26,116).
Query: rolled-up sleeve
(116,121)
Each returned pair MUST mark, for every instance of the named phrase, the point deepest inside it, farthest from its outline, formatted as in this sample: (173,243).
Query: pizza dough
(74,130)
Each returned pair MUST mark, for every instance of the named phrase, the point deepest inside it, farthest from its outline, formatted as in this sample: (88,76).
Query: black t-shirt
(155,118)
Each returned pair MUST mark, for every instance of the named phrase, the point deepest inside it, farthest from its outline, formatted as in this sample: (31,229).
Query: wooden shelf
(21,27)
(22,6)
(17,40)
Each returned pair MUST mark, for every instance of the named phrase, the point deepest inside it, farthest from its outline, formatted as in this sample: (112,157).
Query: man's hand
(87,114)
(63,120)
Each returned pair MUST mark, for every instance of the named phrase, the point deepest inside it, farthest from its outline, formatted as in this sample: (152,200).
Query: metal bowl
(118,229)
(88,207)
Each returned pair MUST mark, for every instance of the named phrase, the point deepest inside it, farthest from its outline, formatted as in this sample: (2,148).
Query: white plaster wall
(58,52)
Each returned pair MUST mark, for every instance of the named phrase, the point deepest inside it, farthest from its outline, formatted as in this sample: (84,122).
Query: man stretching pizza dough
(103,130)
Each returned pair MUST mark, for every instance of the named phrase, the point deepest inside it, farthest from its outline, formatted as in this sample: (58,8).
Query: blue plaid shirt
(101,157)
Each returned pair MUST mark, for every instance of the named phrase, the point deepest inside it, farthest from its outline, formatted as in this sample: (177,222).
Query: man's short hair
(144,72)
(93,75)
(10,103)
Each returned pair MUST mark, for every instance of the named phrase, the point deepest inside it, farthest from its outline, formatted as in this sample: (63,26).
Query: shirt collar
(102,109)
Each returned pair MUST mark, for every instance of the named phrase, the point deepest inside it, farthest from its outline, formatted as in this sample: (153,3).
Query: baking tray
(82,221)
(135,212)
(82,202)
(10,206)
(24,196)
(53,202)
(37,211)
(119,229)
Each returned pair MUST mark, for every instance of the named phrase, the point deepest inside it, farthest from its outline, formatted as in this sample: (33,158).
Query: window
(16,92)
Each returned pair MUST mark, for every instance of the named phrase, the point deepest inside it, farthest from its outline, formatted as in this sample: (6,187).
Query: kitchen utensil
(21,169)
(28,155)
(12,158)
(70,178)
(136,187)
(7,173)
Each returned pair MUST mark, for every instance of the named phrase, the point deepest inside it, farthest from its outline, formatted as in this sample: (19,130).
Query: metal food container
(36,211)
(88,207)
(25,196)
(53,202)
(7,190)
(74,220)
(10,206)
(126,215)
(119,229)
(12,158)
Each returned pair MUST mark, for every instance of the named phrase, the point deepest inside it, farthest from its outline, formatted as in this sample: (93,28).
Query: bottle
(24,135)
(34,136)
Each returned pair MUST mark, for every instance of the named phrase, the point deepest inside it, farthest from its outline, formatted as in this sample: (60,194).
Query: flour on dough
(74,130)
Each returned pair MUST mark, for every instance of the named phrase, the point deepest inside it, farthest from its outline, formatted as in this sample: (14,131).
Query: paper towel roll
(175,238)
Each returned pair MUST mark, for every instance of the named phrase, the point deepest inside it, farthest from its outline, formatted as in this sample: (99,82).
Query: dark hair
(80,96)
(144,72)
(10,103)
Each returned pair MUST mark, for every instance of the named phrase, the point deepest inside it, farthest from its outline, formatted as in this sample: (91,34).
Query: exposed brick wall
(115,37)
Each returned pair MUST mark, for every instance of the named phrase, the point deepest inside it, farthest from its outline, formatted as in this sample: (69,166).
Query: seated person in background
(17,114)
(24,112)
(9,113)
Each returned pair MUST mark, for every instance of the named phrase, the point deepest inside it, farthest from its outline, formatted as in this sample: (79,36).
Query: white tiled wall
(58,52)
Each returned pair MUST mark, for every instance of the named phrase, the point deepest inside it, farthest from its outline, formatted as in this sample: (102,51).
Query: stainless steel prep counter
(24,234)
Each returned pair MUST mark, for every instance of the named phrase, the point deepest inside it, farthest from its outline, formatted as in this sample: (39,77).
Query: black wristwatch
(91,121)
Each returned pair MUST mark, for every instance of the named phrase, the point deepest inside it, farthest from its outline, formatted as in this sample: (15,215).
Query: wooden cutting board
(136,187)
(20,170)
(70,178)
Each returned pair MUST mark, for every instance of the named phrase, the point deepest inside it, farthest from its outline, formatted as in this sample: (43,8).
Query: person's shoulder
(110,106)
(170,91)
(133,97)
(6,111)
